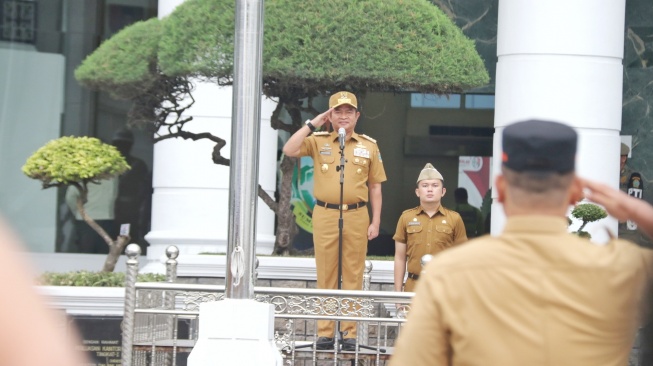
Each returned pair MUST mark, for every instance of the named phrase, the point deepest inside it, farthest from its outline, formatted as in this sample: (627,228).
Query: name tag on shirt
(363,153)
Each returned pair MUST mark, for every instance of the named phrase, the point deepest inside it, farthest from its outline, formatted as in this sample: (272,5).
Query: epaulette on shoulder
(321,133)
(368,138)
(410,209)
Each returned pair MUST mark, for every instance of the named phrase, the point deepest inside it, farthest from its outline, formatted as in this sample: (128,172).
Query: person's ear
(417,192)
(444,190)
(576,191)
(500,184)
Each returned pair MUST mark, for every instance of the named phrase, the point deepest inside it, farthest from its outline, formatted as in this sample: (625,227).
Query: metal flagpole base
(236,332)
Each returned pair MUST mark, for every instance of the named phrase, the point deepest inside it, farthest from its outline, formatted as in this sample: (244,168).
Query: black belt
(345,207)
(413,276)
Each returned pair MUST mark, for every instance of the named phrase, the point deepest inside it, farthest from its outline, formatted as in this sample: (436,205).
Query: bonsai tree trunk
(115,250)
(286,228)
(115,246)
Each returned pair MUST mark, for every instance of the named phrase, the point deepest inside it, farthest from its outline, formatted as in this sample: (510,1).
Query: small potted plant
(587,212)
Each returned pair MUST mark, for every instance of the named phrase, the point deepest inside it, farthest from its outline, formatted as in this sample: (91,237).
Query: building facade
(43,41)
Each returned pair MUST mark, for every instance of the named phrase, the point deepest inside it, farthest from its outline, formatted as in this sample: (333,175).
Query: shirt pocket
(444,235)
(326,165)
(414,235)
(327,159)
(361,165)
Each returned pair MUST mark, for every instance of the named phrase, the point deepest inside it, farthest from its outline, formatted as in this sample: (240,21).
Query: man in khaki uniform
(630,180)
(426,229)
(363,175)
(536,294)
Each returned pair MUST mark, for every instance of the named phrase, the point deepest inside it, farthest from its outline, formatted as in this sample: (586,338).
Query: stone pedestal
(236,332)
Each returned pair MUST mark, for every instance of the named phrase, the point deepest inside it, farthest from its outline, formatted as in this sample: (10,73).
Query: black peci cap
(539,146)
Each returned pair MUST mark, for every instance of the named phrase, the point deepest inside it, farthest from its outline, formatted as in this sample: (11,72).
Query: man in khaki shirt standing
(363,175)
(534,295)
(426,229)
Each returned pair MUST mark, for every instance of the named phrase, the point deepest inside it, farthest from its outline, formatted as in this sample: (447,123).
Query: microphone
(341,137)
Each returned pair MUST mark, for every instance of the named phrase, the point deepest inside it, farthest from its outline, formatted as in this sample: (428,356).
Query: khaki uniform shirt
(428,235)
(363,165)
(535,295)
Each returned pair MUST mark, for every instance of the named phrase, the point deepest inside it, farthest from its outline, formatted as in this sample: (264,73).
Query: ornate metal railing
(161,319)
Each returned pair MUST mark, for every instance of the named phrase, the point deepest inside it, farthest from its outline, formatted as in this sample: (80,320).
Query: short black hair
(460,194)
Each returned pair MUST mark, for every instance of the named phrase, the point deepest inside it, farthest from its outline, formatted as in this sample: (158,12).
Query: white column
(562,60)
(191,193)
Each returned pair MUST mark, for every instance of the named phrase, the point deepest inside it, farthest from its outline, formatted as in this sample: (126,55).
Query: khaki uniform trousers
(354,251)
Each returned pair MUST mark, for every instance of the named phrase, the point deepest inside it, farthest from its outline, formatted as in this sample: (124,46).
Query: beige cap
(625,150)
(343,97)
(429,172)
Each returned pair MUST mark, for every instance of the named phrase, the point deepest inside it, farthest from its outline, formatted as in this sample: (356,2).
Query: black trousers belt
(413,276)
(345,206)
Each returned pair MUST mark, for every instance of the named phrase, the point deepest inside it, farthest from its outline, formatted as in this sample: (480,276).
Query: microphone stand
(341,169)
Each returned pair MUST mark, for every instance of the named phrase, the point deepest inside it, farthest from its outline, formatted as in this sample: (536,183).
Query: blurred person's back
(472,216)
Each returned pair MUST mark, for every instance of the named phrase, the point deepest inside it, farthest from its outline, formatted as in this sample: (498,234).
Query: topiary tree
(587,212)
(311,48)
(78,162)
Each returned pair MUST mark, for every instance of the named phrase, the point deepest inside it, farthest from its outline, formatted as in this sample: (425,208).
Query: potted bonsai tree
(80,162)
(587,212)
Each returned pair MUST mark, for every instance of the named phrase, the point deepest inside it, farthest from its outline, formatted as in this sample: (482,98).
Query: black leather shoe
(324,343)
(349,344)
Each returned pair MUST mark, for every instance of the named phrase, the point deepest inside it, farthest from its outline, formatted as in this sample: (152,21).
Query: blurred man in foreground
(536,294)
(30,333)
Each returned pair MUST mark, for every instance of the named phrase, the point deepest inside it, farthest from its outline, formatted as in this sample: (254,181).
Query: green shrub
(125,64)
(71,159)
(93,279)
(587,212)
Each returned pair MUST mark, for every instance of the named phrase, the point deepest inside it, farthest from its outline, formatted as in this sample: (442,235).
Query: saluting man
(535,294)
(363,175)
(426,229)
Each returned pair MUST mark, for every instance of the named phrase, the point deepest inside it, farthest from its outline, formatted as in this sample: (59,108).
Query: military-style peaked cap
(343,97)
(625,150)
(429,172)
(540,146)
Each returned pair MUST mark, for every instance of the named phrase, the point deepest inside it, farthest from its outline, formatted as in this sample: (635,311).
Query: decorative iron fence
(161,320)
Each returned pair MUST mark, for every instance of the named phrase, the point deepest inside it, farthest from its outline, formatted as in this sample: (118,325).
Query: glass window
(479,101)
(451,101)
(35,67)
